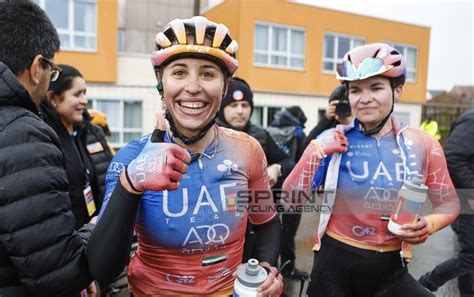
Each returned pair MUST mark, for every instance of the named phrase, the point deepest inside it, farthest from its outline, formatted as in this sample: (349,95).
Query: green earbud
(159,87)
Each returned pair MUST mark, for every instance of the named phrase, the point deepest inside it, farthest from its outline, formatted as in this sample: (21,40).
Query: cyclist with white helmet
(191,234)
(362,166)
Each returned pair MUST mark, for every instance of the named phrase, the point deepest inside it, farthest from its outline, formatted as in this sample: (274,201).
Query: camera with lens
(343,108)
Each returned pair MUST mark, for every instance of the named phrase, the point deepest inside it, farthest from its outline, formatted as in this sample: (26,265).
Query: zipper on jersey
(200,165)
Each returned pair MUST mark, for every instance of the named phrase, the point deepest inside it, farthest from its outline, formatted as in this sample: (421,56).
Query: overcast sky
(451,41)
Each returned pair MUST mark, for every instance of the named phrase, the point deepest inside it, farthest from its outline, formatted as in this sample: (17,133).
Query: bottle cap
(250,274)
(416,183)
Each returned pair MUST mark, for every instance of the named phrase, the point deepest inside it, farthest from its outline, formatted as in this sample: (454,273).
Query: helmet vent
(209,35)
(190,31)
(171,36)
(394,52)
(396,64)
(376,53)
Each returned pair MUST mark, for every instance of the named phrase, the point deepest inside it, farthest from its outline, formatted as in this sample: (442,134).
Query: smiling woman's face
(193,91)
(71,103)
(371,100)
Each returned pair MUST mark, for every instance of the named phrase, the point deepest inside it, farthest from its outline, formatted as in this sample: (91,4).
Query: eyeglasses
(367,68)
(55,69)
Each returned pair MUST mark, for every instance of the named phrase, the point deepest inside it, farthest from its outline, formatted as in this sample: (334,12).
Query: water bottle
(249,277)
(409,203)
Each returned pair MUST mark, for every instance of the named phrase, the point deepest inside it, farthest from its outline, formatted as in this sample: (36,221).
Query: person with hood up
(287,129)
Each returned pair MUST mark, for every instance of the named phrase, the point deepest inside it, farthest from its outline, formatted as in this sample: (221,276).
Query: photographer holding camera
(338,111)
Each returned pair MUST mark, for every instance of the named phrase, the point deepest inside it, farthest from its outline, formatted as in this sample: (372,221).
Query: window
(76,22)
(121,40)
(263,115)
(335,46)
(279,46)
(124,117)
(411,56)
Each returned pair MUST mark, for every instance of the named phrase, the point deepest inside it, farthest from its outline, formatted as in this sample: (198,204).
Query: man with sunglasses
(363,165)
(40,253)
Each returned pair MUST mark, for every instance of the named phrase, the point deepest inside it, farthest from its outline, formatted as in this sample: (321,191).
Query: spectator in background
(40,252)
(235,112)
(287,130)
(430,126)
(459,155)
(85,148)
(338,111)
(100,119)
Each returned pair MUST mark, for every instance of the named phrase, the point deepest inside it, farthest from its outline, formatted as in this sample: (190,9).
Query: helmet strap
(188,140)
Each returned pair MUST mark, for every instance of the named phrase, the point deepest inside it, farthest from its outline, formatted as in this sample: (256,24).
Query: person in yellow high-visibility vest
(430,126)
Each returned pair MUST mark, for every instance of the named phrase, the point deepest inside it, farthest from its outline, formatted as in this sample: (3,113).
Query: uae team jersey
(191,239)
(370,175)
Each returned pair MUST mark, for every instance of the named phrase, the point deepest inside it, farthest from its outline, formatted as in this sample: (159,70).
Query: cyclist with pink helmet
(191,227)
(361,167)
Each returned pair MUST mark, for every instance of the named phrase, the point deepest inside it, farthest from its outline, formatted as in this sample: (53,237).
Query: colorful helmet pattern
(196,35)
(371,60)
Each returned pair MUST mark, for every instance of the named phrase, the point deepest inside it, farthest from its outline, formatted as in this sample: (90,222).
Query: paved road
(439,247)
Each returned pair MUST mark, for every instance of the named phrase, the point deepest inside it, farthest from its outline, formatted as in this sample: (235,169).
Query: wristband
(130,181)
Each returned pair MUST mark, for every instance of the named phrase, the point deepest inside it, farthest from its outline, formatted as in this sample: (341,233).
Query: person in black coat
(338,111)
(235,112)
(459,150)
(287,129)
(84,146)
(41,253)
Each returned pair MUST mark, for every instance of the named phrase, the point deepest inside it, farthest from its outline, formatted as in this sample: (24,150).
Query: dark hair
(25,31)
(64,81)
(396,81)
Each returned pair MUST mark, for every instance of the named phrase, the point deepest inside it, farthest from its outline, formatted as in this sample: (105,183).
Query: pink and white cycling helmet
(196,36)
(371,60)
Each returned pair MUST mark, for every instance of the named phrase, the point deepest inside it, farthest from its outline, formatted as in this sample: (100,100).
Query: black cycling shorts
(341,270)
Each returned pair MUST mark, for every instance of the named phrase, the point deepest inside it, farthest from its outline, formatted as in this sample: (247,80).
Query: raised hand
(159,166)
(333,141)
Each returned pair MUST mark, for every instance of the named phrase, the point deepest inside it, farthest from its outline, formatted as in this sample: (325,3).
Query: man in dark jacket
(459,152)
(235,112)
(40,253)
(287,129)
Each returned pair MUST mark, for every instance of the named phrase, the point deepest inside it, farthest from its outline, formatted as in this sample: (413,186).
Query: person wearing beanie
(338,111)
(235,112)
